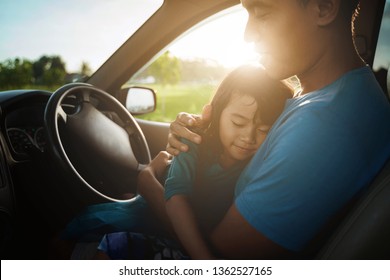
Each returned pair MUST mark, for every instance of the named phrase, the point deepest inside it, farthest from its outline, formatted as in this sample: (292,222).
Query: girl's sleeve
(182,172)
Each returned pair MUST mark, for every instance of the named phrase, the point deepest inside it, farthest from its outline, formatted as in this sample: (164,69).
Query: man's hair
(349,9)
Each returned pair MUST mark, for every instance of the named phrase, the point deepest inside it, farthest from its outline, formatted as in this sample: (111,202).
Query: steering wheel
(95,138)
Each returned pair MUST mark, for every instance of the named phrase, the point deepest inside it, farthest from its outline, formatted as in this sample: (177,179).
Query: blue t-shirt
(325,147)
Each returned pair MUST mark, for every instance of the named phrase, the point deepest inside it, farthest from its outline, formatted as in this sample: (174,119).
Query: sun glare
(220,40)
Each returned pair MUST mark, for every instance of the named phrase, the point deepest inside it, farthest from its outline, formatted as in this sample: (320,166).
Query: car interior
(47,179)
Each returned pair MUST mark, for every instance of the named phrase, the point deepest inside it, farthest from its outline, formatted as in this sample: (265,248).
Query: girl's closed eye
(264,129)
(238,123)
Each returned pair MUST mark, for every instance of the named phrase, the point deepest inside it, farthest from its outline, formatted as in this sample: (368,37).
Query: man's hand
(184,127)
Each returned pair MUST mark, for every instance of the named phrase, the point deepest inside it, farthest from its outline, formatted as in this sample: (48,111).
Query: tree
(53,76)
(18,73)
(201,70)
(15,73)
(49,70)
(85,69)
(39,68)
(165,69)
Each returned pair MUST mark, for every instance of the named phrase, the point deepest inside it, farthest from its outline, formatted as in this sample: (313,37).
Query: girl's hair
(253,81)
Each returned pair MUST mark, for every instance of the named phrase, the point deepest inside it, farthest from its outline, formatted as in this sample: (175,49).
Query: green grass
(172,100)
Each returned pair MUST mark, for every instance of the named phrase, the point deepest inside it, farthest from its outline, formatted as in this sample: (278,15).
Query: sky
(228,48)
(25,32)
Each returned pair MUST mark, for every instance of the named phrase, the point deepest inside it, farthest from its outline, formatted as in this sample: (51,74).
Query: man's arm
(235,238)
(186,227)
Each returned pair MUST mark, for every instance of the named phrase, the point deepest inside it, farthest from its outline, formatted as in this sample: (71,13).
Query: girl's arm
(185,226)
(149,186)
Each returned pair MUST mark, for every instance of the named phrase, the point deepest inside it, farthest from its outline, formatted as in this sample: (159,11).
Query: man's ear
(327,11)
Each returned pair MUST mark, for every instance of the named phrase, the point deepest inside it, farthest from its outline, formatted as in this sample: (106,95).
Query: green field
(172,100)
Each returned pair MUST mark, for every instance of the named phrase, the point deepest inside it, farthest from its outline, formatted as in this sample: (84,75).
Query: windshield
(83,34)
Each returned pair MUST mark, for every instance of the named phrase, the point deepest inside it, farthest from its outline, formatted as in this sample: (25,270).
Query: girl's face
(240,130)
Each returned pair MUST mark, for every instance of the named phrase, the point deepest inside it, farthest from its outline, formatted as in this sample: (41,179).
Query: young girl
(199,187)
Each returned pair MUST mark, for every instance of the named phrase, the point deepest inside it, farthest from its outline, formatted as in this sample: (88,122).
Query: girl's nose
(249,135)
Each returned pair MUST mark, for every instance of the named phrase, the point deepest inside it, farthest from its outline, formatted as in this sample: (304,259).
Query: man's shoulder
(357,83)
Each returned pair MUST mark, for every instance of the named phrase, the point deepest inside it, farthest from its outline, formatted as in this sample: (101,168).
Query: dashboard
(22,115)
(22,138)
(25,132)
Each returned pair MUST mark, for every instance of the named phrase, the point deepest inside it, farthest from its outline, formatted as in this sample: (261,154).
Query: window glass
(78,32)
(187,73)
(382,54)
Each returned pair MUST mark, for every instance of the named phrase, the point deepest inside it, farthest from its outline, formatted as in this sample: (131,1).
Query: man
(327,146)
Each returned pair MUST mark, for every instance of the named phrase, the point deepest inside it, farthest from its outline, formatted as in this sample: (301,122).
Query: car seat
(365,232)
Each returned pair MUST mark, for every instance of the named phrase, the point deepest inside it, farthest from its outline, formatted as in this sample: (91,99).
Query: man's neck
(334,64)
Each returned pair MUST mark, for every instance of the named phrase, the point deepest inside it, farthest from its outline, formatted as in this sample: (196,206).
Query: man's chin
(278,72)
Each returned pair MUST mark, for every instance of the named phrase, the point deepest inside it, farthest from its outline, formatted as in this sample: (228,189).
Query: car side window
(382,55)
(186,74)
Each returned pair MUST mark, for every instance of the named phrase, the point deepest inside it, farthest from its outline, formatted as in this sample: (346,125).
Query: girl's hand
(159,164)
(149,186)
(153,173)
